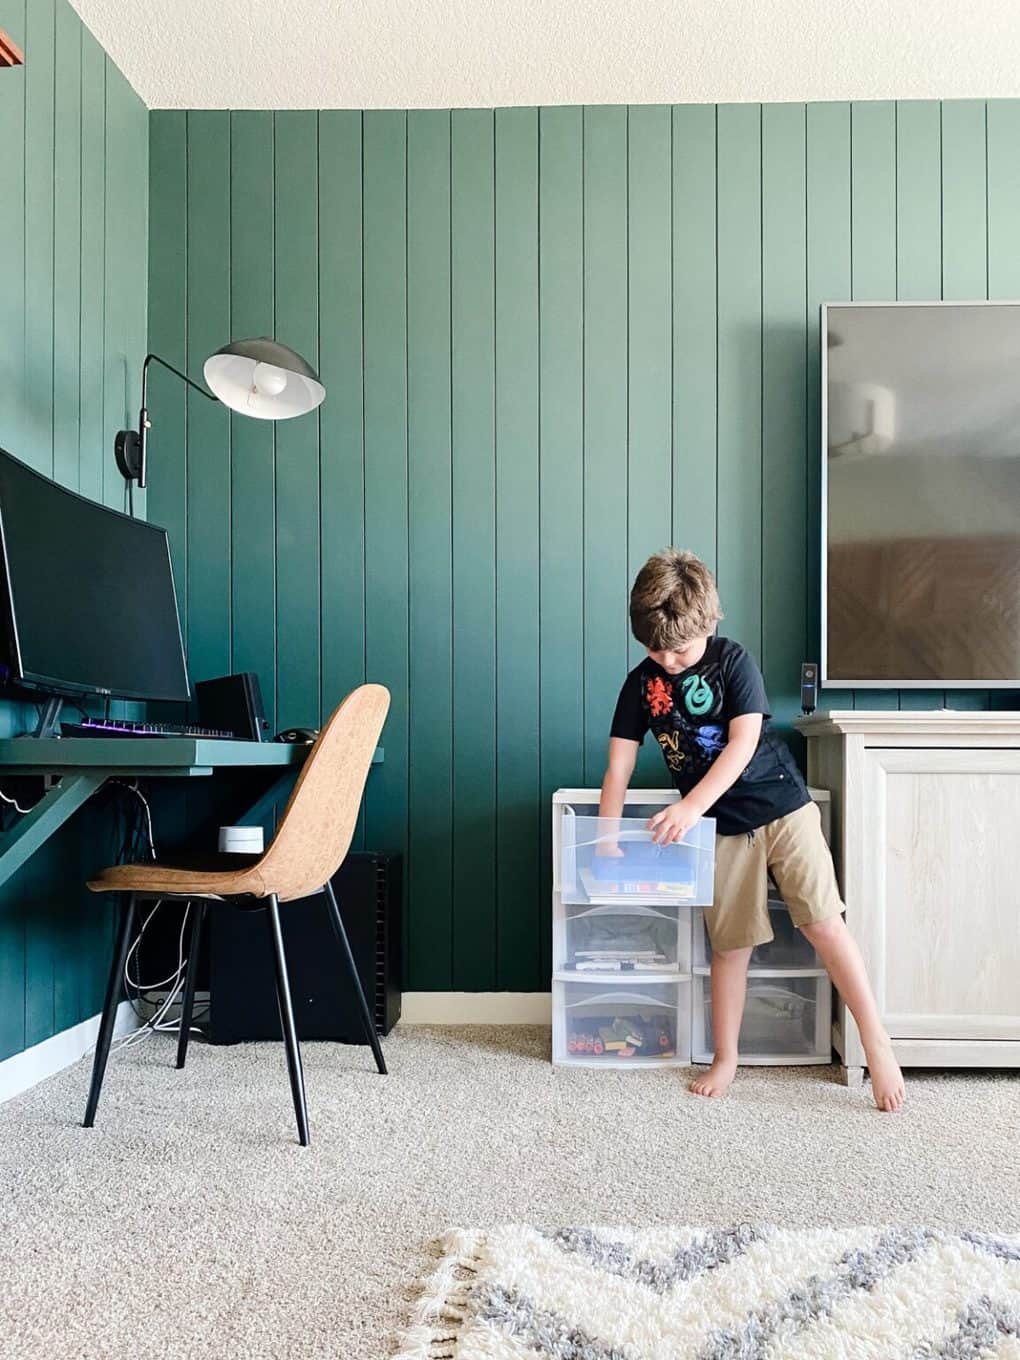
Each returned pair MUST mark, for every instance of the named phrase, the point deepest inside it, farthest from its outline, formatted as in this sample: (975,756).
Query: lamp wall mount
(130,445)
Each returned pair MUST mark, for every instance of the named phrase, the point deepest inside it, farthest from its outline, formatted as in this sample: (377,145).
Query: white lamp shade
(264,379)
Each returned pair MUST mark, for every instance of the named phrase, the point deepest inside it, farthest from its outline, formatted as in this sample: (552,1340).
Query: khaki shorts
(794,850)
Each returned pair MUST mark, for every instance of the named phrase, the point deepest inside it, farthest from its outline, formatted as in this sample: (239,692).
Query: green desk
(84,764)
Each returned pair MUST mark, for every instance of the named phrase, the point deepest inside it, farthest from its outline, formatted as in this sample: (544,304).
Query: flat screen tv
(921,495)
(87,599)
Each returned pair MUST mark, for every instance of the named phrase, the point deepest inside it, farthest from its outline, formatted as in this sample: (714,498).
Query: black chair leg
(114,987)
(345,948)
(290,1040)
(190,980)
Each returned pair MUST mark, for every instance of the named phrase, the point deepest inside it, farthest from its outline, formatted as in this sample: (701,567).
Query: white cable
(133,788)
(176,981)
(13,802)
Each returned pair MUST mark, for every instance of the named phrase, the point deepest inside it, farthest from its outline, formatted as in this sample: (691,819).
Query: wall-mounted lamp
(259,378)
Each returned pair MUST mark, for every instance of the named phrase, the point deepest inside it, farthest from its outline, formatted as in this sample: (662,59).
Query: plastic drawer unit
(631,956)
(629,1024)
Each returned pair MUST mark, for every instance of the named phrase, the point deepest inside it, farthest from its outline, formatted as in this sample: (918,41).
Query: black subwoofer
(242,993)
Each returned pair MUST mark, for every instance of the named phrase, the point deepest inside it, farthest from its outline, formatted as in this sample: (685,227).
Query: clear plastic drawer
(787,1020)
(788,951)
(622,1025)
(606,860)
(627,939)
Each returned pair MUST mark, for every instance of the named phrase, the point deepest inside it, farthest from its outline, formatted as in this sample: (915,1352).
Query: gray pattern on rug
(741,1293)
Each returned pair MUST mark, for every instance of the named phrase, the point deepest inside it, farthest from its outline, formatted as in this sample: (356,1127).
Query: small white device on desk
(631,958)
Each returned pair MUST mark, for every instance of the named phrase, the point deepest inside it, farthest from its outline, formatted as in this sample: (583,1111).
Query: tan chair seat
(162,878)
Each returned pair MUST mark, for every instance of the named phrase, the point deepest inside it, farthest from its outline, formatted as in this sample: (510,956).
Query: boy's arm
(622,759)
(673,823)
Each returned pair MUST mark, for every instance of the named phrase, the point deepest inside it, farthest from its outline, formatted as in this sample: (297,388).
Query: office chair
(310,844)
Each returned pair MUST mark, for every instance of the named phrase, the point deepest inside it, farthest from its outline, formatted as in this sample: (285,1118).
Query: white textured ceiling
(481,53)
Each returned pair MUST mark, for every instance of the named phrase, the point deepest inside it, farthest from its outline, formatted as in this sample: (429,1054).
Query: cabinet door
(940,907)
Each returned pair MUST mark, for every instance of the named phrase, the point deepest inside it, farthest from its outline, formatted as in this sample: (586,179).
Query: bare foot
(717,1080)
(886,1078)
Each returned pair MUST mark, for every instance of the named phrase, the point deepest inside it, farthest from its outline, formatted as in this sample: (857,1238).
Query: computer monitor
(87,599)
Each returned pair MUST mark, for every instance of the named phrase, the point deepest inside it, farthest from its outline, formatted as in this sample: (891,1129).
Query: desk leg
(46,818)
(278,792)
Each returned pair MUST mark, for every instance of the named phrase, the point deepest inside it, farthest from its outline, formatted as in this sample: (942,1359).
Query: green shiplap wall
(73,236)
(553,341)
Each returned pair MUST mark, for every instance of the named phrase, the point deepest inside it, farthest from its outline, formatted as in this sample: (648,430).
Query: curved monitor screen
(922,495)
(88,596)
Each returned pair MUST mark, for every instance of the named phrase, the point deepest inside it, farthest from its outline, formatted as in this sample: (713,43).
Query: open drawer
(628,938)
(606,860)
(622,1025)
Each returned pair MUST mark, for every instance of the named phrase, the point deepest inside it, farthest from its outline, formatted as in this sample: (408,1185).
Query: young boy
(703,699)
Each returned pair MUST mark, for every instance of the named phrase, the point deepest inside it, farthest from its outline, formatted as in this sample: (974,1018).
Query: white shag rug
(744,1293)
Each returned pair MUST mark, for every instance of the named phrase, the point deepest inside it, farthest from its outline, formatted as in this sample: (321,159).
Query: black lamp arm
(130,446)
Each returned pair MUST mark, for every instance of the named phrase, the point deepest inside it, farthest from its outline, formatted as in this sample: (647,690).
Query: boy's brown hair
(673,600)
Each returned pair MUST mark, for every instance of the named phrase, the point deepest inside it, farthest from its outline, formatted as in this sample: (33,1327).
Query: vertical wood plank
(474,549)
(42,921)
(918,245)
(134,263)
(918,200)
(252,442)
(1003,198)
(341,418)
(430,792)
(92,450)
(606,585)
(517,527)
(873,237)
(784,406)
(37,430)
(67,247)
(828,280)
(694,330)
(12,239)
(386,604)
(561,469)
(649,342)
(208,471)
(168,331)
(740,392)
(649,359)
(12,359)
(873,201)
(120,408)
(964,200)
(95,915)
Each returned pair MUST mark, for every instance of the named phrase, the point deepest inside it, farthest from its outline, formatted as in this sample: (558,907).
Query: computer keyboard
(124,727)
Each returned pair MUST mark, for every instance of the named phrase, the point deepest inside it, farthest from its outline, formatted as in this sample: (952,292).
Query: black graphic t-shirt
(689,716)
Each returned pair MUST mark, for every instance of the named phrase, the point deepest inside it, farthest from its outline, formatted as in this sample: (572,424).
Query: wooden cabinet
(926,836)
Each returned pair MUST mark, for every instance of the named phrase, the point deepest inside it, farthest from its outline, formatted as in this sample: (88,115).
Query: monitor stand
(49,717)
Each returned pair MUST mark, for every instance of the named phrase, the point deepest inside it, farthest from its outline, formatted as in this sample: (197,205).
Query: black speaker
(233,703)
(808,687)
(242,988)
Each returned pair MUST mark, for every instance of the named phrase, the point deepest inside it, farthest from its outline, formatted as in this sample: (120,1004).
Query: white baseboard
(27,1069)
(476,1008)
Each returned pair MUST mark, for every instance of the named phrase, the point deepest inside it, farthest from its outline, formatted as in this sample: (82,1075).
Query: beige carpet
(189,1223)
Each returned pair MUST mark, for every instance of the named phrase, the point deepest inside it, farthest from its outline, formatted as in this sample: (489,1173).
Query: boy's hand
(673,823)
(608,850)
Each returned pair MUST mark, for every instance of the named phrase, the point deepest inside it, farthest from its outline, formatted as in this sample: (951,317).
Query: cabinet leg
(853,1077)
